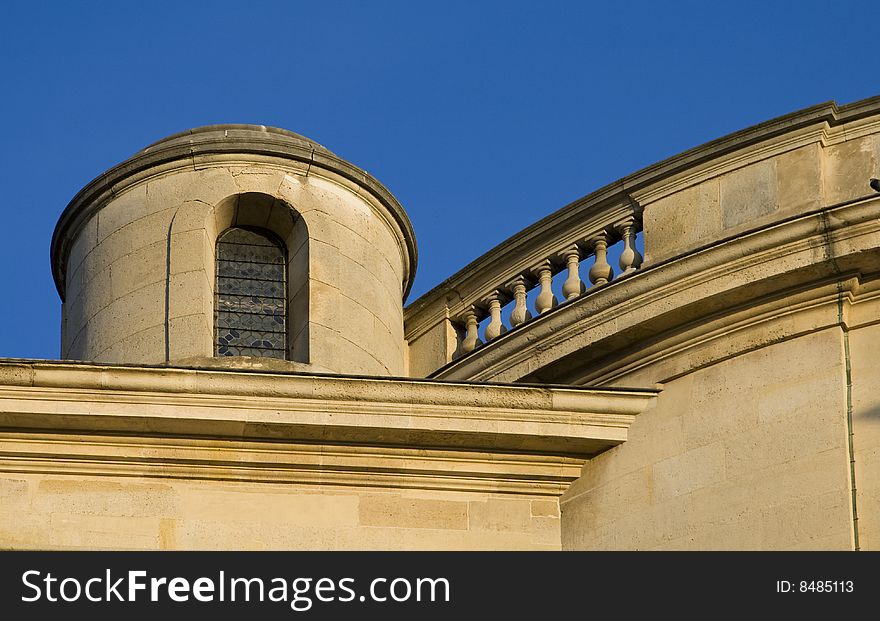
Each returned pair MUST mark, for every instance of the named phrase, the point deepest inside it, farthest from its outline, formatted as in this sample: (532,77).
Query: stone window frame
(191,248)
(250,284)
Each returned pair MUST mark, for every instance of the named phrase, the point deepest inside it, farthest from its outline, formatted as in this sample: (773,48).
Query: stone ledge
(217,141)
(195,459)
(65,417)
(547,232)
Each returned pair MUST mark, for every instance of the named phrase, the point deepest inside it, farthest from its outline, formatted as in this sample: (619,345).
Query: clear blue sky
(481,117)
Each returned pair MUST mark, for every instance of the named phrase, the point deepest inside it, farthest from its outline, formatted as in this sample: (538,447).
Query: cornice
(196,147)
(307,429)
(288,463)
(819,123)
(313,407)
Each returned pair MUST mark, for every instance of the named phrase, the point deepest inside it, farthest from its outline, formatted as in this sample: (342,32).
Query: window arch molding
(268,214)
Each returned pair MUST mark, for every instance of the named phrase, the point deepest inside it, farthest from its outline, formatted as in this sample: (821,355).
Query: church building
(683,359)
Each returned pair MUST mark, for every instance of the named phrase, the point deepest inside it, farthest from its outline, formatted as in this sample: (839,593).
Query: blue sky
(481,117)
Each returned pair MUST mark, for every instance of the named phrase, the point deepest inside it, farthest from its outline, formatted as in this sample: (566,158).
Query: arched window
(250,301)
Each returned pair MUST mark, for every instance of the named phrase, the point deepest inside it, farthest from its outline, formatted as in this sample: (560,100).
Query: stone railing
(750,180)
(540,276)
(525,277)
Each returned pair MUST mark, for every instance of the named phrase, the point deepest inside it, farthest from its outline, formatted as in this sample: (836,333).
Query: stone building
(239,370)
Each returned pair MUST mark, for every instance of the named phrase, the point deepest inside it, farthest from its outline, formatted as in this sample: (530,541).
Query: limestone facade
(133,254)
(161,458)
(683,359)
(753,313)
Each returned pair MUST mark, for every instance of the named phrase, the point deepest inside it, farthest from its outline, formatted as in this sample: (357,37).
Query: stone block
(849,166)
(254,209)
(733,536)
(286,508)
(191,335)
(324,263)
(500,514)
(361,284)
(325,303)
(865,352)
(136,269)
(143,232)
(219,534)
(192,251)
(101,497)
(806,520)
(432,349)
(299,346)
(31,534)
(404,512)
(545,508)
(721,407)
(257,179)
(98,293)
(779,442)
(84,243)
(359,319)
(689,471)
(144,347)
(193,215)
(14,494)
(209,185)
(748,194)
(101,532)
(351,244)
(821,394)
(191,293)
(281,221)
(123,209)
(170,192)
(126,316)
(686,219)
(799,180)
(298,268)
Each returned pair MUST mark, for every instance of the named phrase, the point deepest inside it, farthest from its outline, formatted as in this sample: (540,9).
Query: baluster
(545,300)
(518,287)
(494,328)
(573,285)
(471,339)
(601,272)
(630,259)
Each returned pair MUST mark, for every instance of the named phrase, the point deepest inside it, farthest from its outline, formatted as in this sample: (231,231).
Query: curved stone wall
(716,196)
(756,313)
(133,254)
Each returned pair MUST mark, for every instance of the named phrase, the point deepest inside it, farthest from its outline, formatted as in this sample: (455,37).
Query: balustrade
(486,313)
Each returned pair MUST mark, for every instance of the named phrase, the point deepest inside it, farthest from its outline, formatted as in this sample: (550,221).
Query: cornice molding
(822,123)
(197,147)
(287,427)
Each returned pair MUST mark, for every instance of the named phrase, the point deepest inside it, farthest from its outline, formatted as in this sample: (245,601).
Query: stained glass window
(250,305)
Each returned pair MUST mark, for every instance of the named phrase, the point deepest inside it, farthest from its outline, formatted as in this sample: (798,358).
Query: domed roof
(237,133)
(207,142)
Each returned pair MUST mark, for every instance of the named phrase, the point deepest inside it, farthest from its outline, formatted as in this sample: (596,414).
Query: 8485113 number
(826,586)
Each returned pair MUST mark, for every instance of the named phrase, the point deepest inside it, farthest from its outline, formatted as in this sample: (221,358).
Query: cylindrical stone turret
(230,241)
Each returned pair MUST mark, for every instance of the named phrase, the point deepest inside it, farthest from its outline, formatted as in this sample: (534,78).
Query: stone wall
(108,456)
(747,453)
(865,352)
(86,512)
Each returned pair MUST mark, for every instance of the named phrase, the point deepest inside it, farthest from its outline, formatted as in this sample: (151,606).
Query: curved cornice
(213,140)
